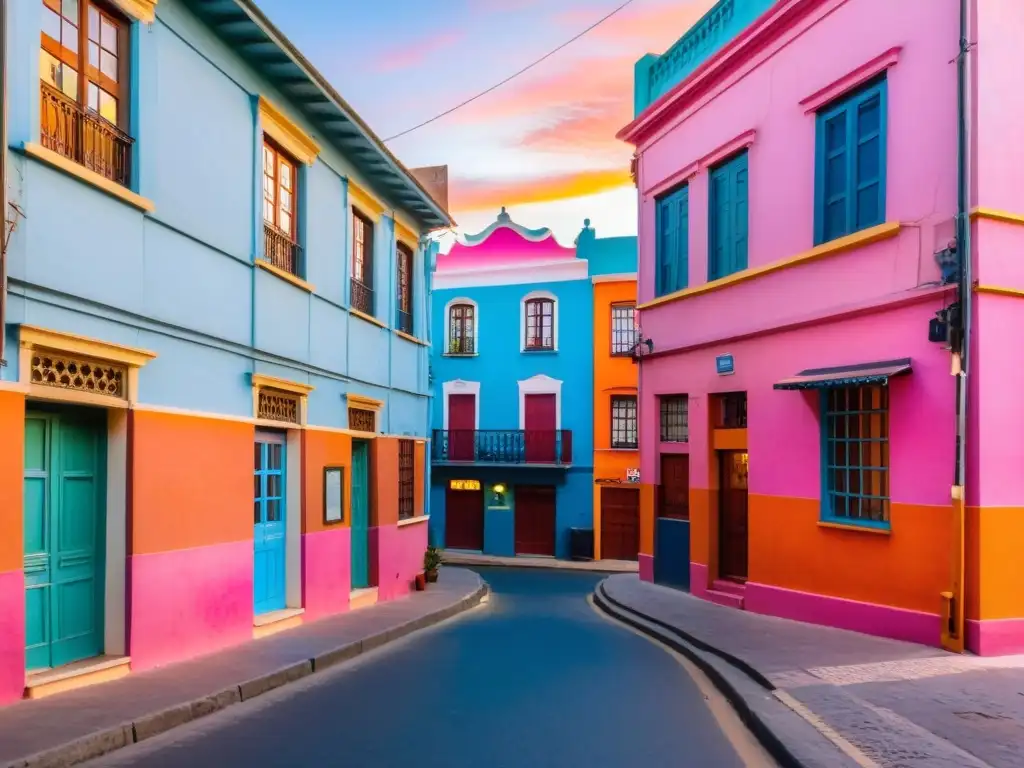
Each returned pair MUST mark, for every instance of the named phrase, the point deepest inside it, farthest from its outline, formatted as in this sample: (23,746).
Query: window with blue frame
(727,226)
(855,455)
(850,163)
(672,246)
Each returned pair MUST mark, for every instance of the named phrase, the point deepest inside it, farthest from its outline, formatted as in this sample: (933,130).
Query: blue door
(269,515)
(360,514)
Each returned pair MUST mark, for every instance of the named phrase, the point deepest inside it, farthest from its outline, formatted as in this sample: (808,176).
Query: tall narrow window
(855,433)
(279,221)
(362,263)
(727,228)
(83,71)
(675,418)
(672,243)
(850,163)
(624,421)
(623,328)
(404,281)
(462,329)
(540,324)
(406,479)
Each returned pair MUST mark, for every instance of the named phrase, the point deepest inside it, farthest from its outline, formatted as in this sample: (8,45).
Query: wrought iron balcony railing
(80,135)
(405,322)
(280,250)
(502,446)
(362,297)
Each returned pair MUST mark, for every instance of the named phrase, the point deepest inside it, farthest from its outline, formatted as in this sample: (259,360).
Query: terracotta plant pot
(421,582)
(431,576)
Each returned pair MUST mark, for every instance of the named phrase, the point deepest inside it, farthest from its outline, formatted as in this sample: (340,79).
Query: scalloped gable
(502,243)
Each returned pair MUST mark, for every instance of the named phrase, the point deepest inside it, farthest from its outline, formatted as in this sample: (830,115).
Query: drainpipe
(953,631)
(3,181)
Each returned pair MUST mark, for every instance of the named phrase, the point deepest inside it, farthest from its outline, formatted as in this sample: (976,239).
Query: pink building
(798,174)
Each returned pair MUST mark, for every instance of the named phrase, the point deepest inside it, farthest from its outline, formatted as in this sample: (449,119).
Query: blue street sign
(724,365)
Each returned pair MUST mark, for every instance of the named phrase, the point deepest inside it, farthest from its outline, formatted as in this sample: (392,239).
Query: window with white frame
(539,318)
(462,318)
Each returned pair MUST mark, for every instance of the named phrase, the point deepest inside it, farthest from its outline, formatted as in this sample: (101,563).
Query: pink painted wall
(188,602)
(326,572)
(12,636)
(396,557)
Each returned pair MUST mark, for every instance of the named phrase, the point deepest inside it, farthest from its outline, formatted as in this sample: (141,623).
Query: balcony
(82,136)
(362,297)
(280,250)
(503,447)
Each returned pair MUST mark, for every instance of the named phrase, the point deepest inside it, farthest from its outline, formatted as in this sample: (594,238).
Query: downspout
(953,630)
(4,235)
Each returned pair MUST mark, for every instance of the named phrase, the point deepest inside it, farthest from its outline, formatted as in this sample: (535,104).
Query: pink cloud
(414,54)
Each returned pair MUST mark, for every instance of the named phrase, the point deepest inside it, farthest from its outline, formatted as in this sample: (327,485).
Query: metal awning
(847,375)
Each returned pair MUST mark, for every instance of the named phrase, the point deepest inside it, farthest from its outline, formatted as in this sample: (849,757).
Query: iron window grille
(675,419)
(624,421)
(732,410)
(406,479)
(855,429)
(623,329)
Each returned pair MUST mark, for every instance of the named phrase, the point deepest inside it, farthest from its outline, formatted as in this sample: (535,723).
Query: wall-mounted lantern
(498,490)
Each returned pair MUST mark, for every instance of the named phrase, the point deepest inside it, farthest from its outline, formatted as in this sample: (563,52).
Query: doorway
(64,536)
(269,522)
(461,427)
(360,529)
(464,519)
(620,523)
(732,515)
(535,519)
(539,422)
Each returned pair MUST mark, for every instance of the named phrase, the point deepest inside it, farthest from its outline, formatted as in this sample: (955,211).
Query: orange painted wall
(324,449)
(12,467)
(612,376)
(647,497)
(191,482)
(994,537)
(384,481)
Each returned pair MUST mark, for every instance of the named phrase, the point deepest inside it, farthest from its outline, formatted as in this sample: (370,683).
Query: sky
(542,145)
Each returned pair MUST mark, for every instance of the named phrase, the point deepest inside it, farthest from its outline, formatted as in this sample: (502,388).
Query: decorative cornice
(143,10)
(261,381)
(405,235)
(504,220)
(994,214)
(285,132)
(33,337)
(849,81)
(361,401)
(365,202)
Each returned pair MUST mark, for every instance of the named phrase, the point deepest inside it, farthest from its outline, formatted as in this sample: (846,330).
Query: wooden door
(461,427)
(620,523)
(535,520)
(674,490)
(269,522)
(732,515)
(464,520)
(64,536)
(539,420)
(360,530)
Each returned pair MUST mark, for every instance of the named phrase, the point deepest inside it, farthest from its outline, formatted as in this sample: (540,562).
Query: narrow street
(534,678)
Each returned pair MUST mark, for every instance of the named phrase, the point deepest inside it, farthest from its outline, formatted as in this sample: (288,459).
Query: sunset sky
(544,145)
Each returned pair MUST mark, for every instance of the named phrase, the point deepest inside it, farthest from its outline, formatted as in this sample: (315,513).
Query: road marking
(745,744)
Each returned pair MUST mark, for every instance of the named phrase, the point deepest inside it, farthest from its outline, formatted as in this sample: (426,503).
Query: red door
(535,520)
(674,491)
(464,520)
(461,427)
(539,424)
(732,516)
(620,523)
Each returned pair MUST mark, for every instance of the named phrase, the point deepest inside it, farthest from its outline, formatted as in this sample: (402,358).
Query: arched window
(462,328)
(539,322)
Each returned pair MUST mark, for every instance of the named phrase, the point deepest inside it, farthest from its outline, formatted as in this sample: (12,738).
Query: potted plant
(431,562)
(421,582)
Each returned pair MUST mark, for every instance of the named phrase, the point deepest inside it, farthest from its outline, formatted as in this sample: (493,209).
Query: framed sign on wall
(334,495)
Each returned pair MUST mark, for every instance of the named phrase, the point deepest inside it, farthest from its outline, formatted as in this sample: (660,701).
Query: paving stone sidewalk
(901,704)
(71,727)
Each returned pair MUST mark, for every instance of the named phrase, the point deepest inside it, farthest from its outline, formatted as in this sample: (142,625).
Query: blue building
(215,403)
(512,450)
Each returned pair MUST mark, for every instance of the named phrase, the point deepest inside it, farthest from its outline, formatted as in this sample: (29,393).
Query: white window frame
(460,387)
(540,385)
(554,320)
(448,326)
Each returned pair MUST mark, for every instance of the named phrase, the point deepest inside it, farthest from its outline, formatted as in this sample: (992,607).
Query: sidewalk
(598,566)
(897,703)
(79,725)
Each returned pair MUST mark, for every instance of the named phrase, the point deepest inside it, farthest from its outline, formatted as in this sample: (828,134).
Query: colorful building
(512,448)
(215,400)
(800,223)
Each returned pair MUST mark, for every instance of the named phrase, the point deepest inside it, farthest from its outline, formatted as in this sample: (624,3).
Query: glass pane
(286,175)
(108,65)
(51,25)
(93,100)
(256,486)
(268,211)
(108,38)
(274,461)
(69,82)
(94,24)
(268,161)
(94,55)
(69,9)
(273,486)
(286,223)
(69,36)
(257,456)
(286,200)
(256,519)
(49,69)
(273,510)
(108,107)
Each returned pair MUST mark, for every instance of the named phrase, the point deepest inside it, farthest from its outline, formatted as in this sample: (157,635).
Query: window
(624,422)
(406,479)
(540,324)
(675,419)
(850,163)
(280,184)
(732,411)
(404,281)
(83,72)
(623,328)
(462,329)
(672,248)
(727,227)
(362,419)
(362,263)
(855,475)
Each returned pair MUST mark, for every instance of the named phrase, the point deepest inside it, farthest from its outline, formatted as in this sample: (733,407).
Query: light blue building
(216,333)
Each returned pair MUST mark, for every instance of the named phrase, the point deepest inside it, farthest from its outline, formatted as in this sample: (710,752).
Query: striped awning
(847,375)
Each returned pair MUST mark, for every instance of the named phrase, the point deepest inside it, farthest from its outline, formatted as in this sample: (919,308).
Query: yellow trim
(91,178)
(413,520)
(1017,293)
(284,385)
(33,337)
(996,215)
(405,234)
(143,10)
(411,338)
(298,282)
(839,245)
(368,318)
(857,528)
(281,129)
(364,201)
(361,401)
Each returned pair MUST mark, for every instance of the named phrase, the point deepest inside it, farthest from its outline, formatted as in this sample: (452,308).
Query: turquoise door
(65,490)
(269,515)
(360,515)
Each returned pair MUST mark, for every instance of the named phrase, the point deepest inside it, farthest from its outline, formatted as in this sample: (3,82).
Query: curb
(153,724)
(688,646)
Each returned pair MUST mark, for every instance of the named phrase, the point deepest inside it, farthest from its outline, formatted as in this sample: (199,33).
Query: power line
(513,76)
